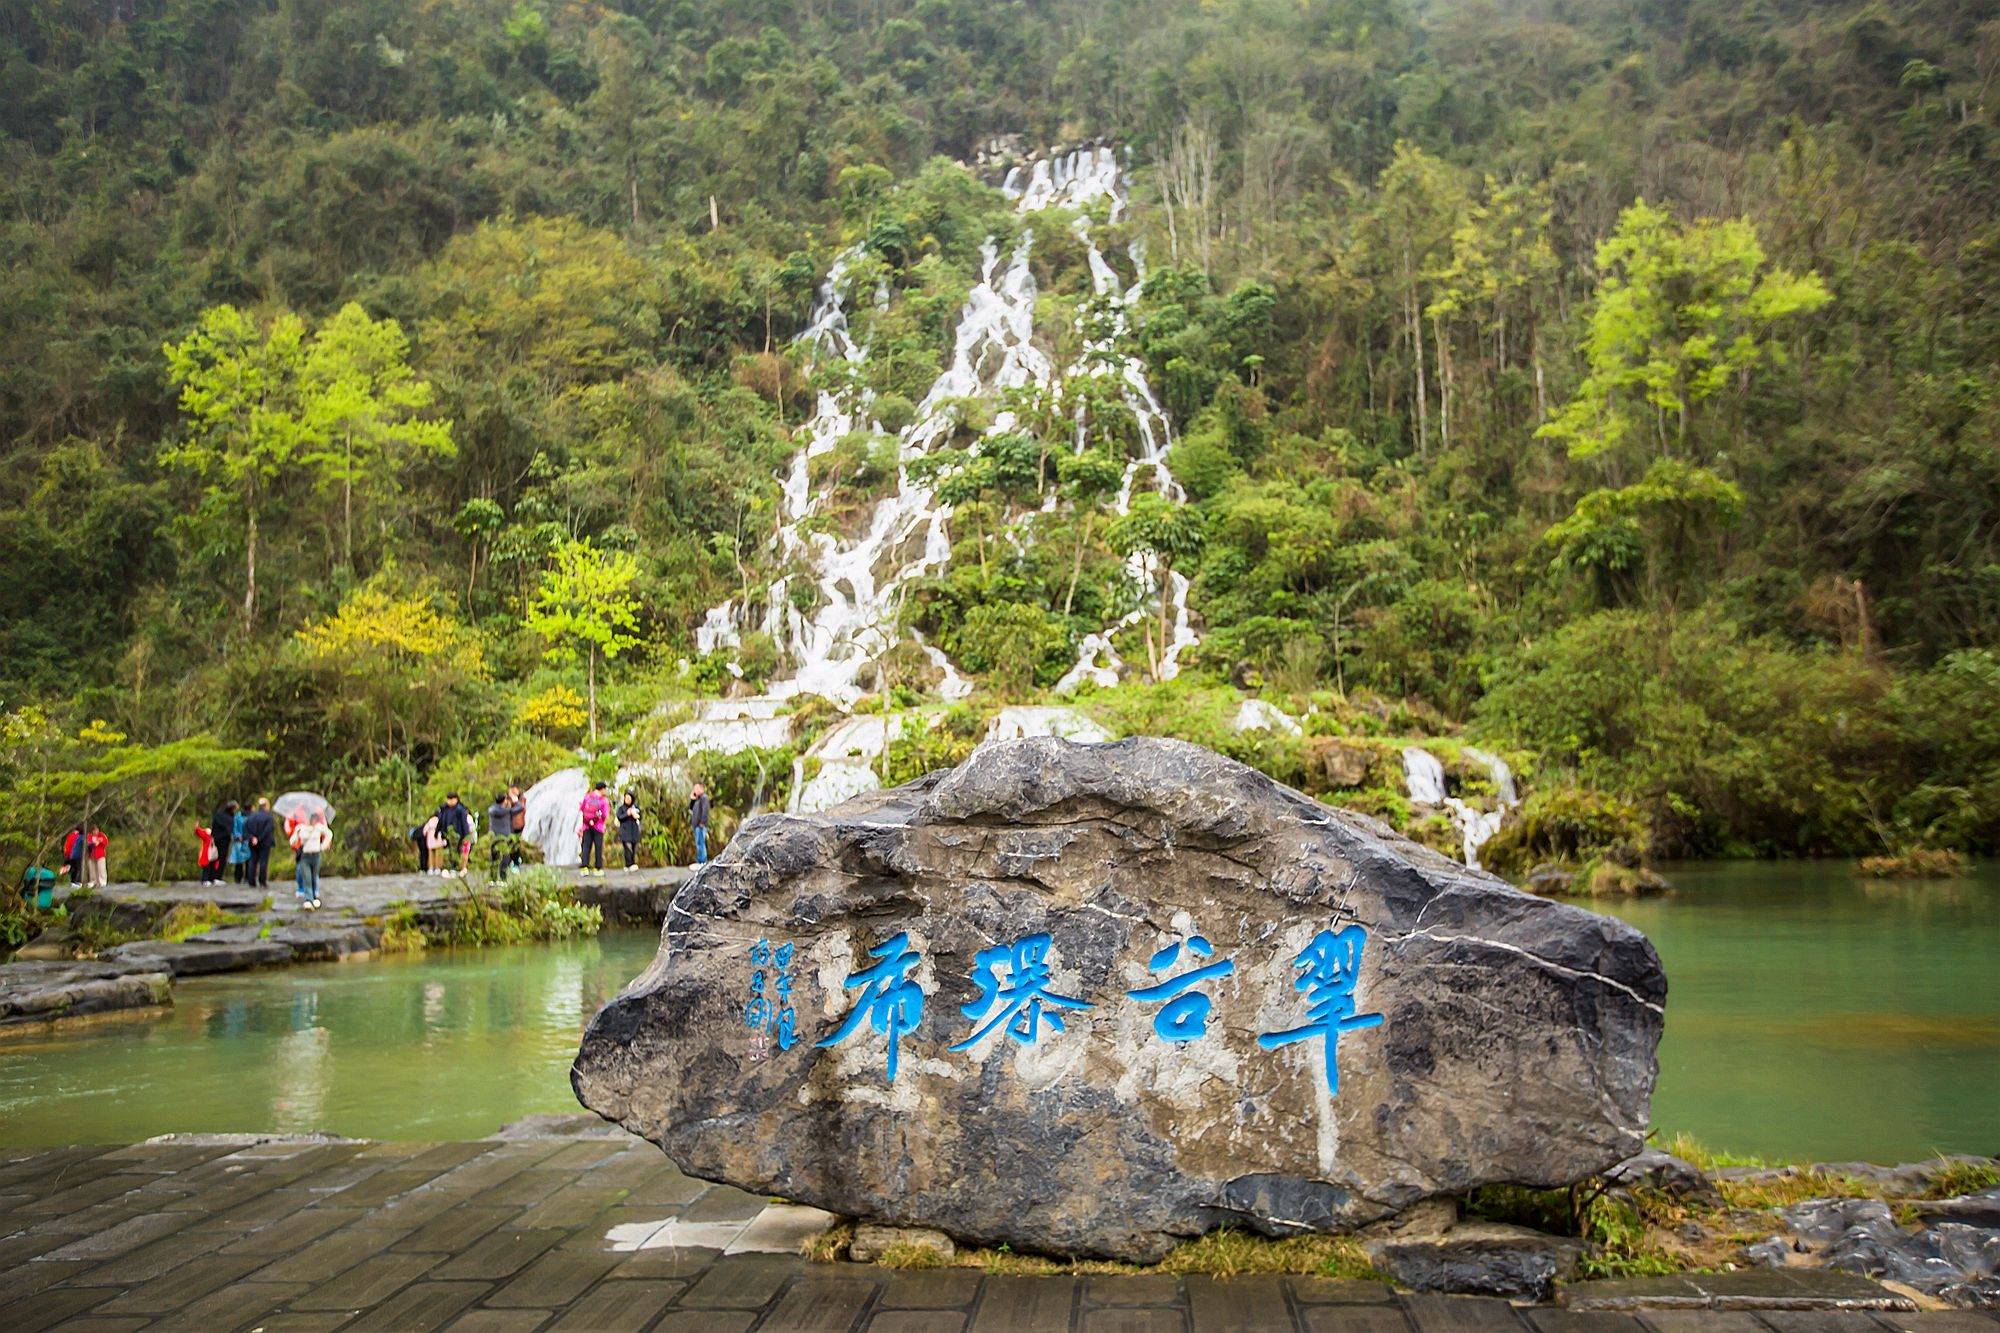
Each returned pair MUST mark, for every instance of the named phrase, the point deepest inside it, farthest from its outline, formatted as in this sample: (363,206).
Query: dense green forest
(1609,380)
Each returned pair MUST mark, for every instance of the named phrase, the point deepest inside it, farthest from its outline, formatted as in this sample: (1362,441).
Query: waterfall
(1423,778)
(860,582)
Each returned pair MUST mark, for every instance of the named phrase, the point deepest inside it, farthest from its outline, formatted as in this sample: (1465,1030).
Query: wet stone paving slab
(602,1233)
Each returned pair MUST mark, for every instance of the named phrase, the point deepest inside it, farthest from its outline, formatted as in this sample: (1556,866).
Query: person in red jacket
(94,848)
(210,863)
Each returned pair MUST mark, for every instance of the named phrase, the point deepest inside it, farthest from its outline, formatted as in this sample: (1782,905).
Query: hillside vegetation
(1611,382)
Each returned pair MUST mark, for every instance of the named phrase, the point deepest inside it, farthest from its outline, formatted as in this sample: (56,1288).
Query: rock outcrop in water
(1094,999)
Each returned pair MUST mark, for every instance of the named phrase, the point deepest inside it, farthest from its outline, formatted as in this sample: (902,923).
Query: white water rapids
(860,582)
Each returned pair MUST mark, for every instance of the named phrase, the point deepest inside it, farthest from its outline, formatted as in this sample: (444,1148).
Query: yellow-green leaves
(1681,311)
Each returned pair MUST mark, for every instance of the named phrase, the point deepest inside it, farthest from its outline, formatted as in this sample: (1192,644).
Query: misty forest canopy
(390,387)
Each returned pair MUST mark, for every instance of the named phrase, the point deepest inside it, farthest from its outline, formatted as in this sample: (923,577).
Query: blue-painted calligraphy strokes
(770,1005)
(1329,969)
(1013,982)
(1184,1017)
(890,1001)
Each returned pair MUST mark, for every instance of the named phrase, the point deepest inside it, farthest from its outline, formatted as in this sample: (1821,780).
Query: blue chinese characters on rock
(1184,1016)
(1329,969)
(1015,995)
(891,1001)
(1013,981)
(769,1009)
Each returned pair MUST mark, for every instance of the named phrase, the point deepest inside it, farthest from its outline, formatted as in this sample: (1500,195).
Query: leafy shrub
(1566,824)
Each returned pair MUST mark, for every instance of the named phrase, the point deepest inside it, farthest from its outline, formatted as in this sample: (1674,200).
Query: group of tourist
(237,841)
(84,851)
(597,815)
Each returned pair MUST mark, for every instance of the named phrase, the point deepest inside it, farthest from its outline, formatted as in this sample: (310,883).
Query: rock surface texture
(1096,999)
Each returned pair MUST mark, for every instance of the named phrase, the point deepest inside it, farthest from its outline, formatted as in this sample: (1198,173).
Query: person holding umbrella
(309,840)
(307,816)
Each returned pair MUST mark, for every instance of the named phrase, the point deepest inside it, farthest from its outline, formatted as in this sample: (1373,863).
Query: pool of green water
(448,1044)
(1812,1016)
(1815,1015)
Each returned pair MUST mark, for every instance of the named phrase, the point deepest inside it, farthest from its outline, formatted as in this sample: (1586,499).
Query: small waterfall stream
(860,582)
(1423,778)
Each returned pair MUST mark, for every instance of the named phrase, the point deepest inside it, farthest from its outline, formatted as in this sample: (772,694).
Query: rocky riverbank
(121,947)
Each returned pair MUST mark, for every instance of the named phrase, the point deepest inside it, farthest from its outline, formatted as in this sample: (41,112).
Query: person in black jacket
(221,828)
(260,830)
(628,830)
(455,827)
(698,821)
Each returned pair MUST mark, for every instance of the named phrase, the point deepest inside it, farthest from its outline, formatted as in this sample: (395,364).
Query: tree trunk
(1444,385)
(250,566)
(347,506)
(1166,637)
(1076,566)
(1416,334)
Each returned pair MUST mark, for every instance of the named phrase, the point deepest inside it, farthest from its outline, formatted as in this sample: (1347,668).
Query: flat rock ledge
(275,933)
(39,992)
(1097,999)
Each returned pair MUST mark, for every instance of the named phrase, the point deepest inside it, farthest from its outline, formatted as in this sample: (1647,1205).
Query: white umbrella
(301,804)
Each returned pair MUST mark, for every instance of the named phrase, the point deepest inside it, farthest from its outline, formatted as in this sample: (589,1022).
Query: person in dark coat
(698,820)
(500,835)
(455,827)
(628,829)
(221,830)
(260,831)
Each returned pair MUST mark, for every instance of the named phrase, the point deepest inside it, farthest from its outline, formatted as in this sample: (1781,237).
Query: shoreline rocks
(959,1004)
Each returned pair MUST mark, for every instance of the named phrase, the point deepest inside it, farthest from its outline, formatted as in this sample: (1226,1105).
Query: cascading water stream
(859,583)
(1423,777)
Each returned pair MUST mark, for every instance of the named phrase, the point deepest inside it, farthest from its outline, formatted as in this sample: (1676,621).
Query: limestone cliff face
(1095,999)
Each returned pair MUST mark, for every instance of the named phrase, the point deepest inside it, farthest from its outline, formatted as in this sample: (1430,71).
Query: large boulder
(964,1004)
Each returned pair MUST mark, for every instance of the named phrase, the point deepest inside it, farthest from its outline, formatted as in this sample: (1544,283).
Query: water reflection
(443,1045)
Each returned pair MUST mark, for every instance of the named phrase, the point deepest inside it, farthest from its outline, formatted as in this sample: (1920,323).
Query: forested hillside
(1609,380)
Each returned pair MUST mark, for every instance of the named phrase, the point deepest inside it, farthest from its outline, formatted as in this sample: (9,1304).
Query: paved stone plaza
(603,1233)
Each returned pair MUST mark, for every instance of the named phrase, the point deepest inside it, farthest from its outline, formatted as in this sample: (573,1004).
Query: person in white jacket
(310,839)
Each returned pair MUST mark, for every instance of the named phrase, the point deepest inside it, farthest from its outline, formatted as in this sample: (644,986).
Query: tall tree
(585,608)
(359,397)
(239,394)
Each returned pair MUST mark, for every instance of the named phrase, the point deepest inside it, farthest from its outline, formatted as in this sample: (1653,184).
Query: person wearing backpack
(221,835)
(73,845)
(500,830)
(595,808)
(517,803)
(628,830)
(454,829)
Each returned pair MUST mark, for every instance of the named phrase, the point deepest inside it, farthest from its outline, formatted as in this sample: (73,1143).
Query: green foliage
(1681,312)
(1013,645)
(1566,824)
(534,903)
(584,607)
(446,289)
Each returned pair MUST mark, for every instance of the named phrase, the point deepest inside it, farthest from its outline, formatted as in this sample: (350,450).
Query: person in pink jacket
(596,811)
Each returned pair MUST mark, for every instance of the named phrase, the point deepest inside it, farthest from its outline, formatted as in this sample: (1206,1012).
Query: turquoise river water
(1812,1016)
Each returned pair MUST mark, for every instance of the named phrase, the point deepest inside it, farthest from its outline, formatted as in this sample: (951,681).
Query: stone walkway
(602,1233)
(267,929)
